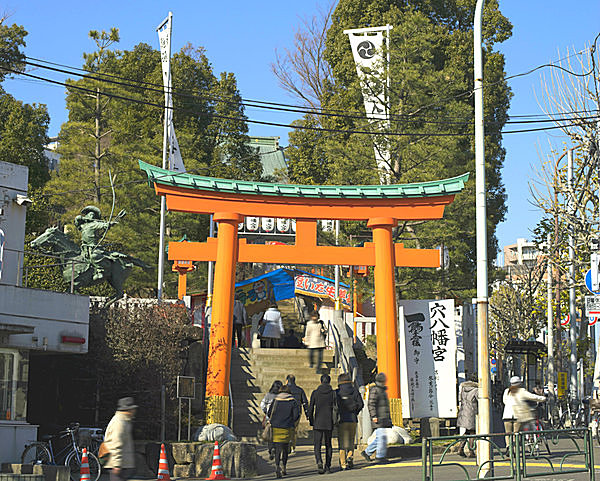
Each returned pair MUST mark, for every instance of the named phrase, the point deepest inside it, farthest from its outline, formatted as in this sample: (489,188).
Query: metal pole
(550,321)
(179,422)
(211,265)
(337,269)
(572,312)
(189,438)
(163,200)
(72,276)
(483,451)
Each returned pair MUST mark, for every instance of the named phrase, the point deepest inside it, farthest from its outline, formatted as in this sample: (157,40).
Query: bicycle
(42,452)
(534,439)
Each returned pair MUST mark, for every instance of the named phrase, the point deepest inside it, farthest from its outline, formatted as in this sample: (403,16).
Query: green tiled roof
(199,182)
(271,155)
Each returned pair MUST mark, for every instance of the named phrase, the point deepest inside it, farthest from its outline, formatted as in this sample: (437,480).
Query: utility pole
(572,312)
(483,362)
(550,320)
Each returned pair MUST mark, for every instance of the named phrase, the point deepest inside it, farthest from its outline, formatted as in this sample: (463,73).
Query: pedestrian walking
(467,413)
(273,327)
(300,396)
(320,417)
(240,319)
(265,406)
(284,414)
(508,414)
(349,403)
(523,407)
(314,338)
(381,419)
(118,441)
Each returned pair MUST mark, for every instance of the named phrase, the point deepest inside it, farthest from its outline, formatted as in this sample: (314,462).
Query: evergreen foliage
(104,138)
(431,72)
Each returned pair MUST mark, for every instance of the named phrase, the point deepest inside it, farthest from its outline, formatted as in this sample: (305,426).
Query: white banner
(428,358)
(367,50)
(2,241)
(164,38)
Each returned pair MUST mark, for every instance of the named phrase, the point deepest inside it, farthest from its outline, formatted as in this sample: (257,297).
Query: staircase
(252,374)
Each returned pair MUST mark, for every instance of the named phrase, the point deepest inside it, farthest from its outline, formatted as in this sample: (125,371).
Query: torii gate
(231,200)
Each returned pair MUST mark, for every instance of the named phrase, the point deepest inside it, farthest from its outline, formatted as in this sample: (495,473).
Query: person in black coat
(320,417)
(301,399)
(284,413)
(350,403)
(381,419)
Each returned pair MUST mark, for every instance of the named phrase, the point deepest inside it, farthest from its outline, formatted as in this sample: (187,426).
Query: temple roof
(198,182)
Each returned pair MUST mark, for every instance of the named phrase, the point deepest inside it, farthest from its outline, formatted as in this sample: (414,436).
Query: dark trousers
(123,475)
(269,342)
(281,453)
(237,331)
(311,357)
(321,436)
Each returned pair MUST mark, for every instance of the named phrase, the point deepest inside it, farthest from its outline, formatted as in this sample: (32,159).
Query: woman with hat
(118,441)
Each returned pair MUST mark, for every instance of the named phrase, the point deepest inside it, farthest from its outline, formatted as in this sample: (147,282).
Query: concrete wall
(14,435)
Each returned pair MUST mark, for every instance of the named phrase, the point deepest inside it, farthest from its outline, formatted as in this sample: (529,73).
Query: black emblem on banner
(366,49)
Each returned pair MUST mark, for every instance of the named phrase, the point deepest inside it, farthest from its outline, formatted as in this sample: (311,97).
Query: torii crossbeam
(231,200)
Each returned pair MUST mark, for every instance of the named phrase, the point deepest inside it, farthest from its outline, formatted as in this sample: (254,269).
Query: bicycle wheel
(36,453)
(73,461)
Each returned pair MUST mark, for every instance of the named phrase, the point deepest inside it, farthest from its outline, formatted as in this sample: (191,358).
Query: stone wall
(194,460)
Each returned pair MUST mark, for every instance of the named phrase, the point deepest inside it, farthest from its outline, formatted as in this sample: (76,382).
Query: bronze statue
(89,264)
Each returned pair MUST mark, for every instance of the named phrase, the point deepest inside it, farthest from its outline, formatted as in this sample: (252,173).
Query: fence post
(72,275)
(163,403)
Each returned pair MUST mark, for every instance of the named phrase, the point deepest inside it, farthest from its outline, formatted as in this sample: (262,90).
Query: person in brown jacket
(119,441)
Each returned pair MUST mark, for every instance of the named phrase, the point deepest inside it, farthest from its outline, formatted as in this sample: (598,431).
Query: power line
(278,124)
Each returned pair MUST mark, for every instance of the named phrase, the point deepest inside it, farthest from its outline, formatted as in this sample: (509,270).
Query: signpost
(588,281)
(592,306)
(186,389)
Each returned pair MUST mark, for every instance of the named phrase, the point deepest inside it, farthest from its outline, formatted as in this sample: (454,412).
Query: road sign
(565,321)
(588,281)
(592,306)
(186,387)
(562,384)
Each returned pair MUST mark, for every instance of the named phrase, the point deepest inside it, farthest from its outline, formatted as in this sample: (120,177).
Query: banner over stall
(259,292)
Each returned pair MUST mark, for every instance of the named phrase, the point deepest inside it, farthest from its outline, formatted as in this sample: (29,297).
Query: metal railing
(528,455)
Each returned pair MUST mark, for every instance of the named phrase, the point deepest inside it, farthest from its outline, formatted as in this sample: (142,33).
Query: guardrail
(528,455)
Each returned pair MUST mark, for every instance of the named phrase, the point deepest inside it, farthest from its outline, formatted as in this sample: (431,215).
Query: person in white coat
(314,339)
(508,415)
(118,441)
(522,407)
(273,327)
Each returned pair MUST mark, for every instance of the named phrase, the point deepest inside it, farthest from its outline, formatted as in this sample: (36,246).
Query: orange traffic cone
(163,466)
(84,471)
(217,469)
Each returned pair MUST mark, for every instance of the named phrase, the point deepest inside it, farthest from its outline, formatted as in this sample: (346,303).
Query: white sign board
(428,358)
(592,306)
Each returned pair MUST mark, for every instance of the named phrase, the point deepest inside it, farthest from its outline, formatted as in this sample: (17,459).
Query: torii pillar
(386,313)
(219,358)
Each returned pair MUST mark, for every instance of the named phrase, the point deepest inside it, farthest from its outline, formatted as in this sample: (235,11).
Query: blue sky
(242,36)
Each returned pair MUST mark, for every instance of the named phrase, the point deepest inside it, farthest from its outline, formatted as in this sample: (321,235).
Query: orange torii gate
(231,200)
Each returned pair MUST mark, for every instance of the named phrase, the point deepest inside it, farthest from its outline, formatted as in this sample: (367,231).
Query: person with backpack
(350,403)
(320,417)
(467,412)
(314,338)
(300,396)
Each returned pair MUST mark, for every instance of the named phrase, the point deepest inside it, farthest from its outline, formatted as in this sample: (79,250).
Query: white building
(32,321)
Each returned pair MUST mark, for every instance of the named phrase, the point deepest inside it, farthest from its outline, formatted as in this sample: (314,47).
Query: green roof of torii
(198,182)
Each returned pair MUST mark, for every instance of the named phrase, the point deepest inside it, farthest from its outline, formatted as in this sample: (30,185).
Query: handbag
(267,433)
(103,454)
